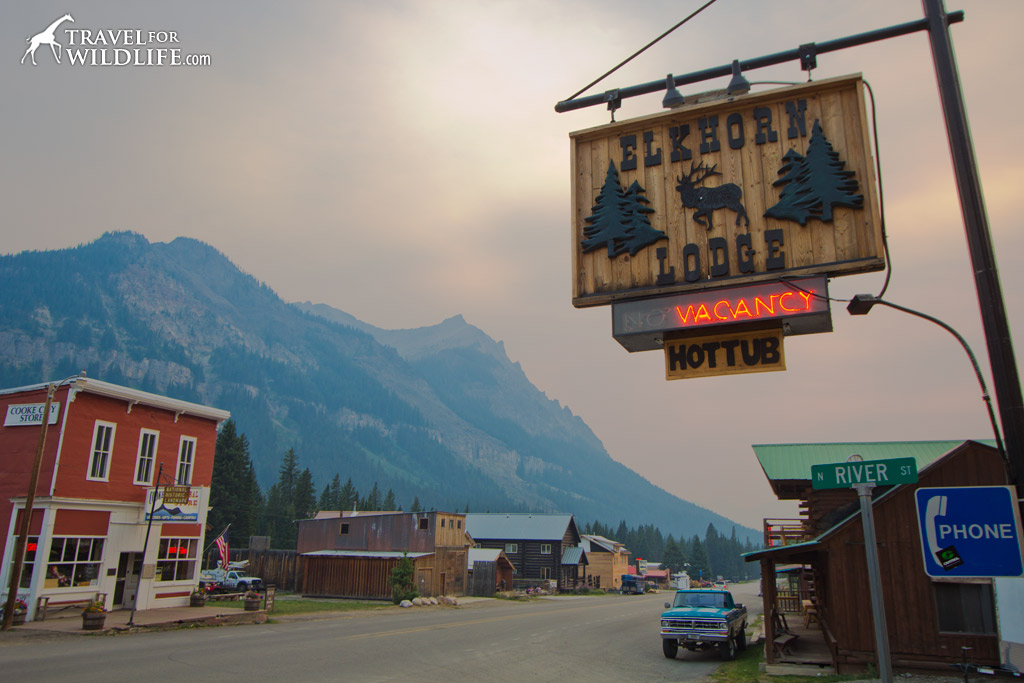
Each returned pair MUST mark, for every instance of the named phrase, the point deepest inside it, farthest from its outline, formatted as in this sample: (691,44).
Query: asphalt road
(607,638)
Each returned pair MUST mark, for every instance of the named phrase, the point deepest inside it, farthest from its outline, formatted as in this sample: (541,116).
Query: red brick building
(105,446)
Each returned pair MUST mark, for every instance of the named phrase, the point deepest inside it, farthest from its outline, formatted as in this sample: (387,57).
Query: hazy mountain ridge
(438,412)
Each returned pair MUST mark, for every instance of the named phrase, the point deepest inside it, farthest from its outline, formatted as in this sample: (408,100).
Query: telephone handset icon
(947,557)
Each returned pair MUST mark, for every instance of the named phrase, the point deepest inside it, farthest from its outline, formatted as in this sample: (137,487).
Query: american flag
(222,546)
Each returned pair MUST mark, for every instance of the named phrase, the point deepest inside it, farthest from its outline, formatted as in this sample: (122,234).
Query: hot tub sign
(749,189)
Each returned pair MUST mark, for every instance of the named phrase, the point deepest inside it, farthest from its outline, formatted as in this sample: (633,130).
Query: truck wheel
(741,640)
(669,647)
(241,585)
(727,650)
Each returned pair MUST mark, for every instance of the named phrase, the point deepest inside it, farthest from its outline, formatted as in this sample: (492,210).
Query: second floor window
(545,548)
(102,445)
(147,456)
(186,453)
(511,548)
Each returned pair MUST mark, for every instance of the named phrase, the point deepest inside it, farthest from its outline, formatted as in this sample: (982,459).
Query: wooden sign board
(732,353)
(744,189)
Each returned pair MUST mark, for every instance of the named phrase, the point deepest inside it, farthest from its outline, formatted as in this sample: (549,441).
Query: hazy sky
(402,161)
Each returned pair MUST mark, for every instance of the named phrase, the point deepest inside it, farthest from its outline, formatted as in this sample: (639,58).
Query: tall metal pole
(867,519)
(26,515)
(979,241)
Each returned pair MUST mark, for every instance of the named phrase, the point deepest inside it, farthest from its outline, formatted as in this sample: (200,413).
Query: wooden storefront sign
(725,354)
(746,189)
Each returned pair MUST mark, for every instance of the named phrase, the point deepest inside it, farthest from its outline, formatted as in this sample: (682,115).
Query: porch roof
(794,460)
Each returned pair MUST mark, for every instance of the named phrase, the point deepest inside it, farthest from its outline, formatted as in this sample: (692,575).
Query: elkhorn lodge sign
(747,189)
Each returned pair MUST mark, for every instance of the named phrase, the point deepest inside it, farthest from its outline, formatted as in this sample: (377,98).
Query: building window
(74,562)
(28,563)
(344,529)
(146,457)
(424,523)
(458,523)
(511,548)
(102,445)
(965,608)
(176,560)
(442,522)
(545,548)
(186,452)
(545,572)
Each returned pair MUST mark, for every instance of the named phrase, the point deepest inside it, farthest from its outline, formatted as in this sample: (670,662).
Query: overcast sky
(402,161)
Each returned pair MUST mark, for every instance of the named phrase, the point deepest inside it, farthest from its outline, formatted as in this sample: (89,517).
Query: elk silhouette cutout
(707,199)
(46,37)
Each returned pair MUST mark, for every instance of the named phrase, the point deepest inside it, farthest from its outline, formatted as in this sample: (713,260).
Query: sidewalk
(147,619)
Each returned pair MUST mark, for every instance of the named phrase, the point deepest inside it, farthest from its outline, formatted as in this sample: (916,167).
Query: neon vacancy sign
(638,325)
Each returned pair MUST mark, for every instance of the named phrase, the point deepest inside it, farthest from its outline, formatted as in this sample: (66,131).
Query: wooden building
(607,561)
(490,571)
(543,548)
(109,455)
(928,619)
(351,554)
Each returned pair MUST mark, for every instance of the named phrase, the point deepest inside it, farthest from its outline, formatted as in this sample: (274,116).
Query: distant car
(721,585)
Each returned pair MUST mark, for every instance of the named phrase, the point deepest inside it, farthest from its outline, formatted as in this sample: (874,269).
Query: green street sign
(844,475)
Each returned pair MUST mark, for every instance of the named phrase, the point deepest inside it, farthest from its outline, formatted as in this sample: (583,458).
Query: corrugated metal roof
(388,554)
(517,526)
(794,460)
(572,555)
(483,555)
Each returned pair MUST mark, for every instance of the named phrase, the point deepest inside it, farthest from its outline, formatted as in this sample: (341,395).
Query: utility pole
(1003,365)
(26,515)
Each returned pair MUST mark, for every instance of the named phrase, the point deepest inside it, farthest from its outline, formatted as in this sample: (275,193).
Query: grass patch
(284,607)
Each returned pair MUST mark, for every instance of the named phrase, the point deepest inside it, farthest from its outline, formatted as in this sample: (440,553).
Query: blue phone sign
(970,531)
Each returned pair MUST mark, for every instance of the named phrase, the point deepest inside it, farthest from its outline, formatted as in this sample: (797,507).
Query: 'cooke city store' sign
(747,189)
(30,414)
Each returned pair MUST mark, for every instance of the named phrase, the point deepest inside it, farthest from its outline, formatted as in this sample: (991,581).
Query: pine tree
(607,222)
(305,497)
(638,227)
(815,183)
(373,501)
(416,507)
(235,497)
(348,498)
(389,500)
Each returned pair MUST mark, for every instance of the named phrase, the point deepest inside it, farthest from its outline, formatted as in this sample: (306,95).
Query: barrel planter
(17,619)
(196,600)
(93,621)
(252,604)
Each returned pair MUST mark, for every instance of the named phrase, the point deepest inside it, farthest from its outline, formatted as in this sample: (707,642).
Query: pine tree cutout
(815,183)
(619,219)
(641,232)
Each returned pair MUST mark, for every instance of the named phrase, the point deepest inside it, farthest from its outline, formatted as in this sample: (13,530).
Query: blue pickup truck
(703,619)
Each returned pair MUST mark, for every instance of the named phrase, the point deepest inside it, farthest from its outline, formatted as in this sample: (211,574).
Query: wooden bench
(783,643)
(46,603)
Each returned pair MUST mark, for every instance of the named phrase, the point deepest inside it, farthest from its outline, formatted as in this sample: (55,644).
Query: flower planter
(93,621)
(197,601)
(252,604)
(18,618)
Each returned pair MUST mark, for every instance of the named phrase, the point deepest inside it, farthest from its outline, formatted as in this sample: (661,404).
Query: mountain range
(439,413)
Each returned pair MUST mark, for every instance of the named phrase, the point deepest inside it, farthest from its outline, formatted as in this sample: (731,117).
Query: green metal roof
(794,460)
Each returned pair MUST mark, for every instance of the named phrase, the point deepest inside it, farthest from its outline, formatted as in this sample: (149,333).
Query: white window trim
(511,548)
(542,548)
(191,462)
(138,457)
(92,450)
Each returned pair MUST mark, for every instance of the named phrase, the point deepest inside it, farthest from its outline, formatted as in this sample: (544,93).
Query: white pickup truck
(231,581)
